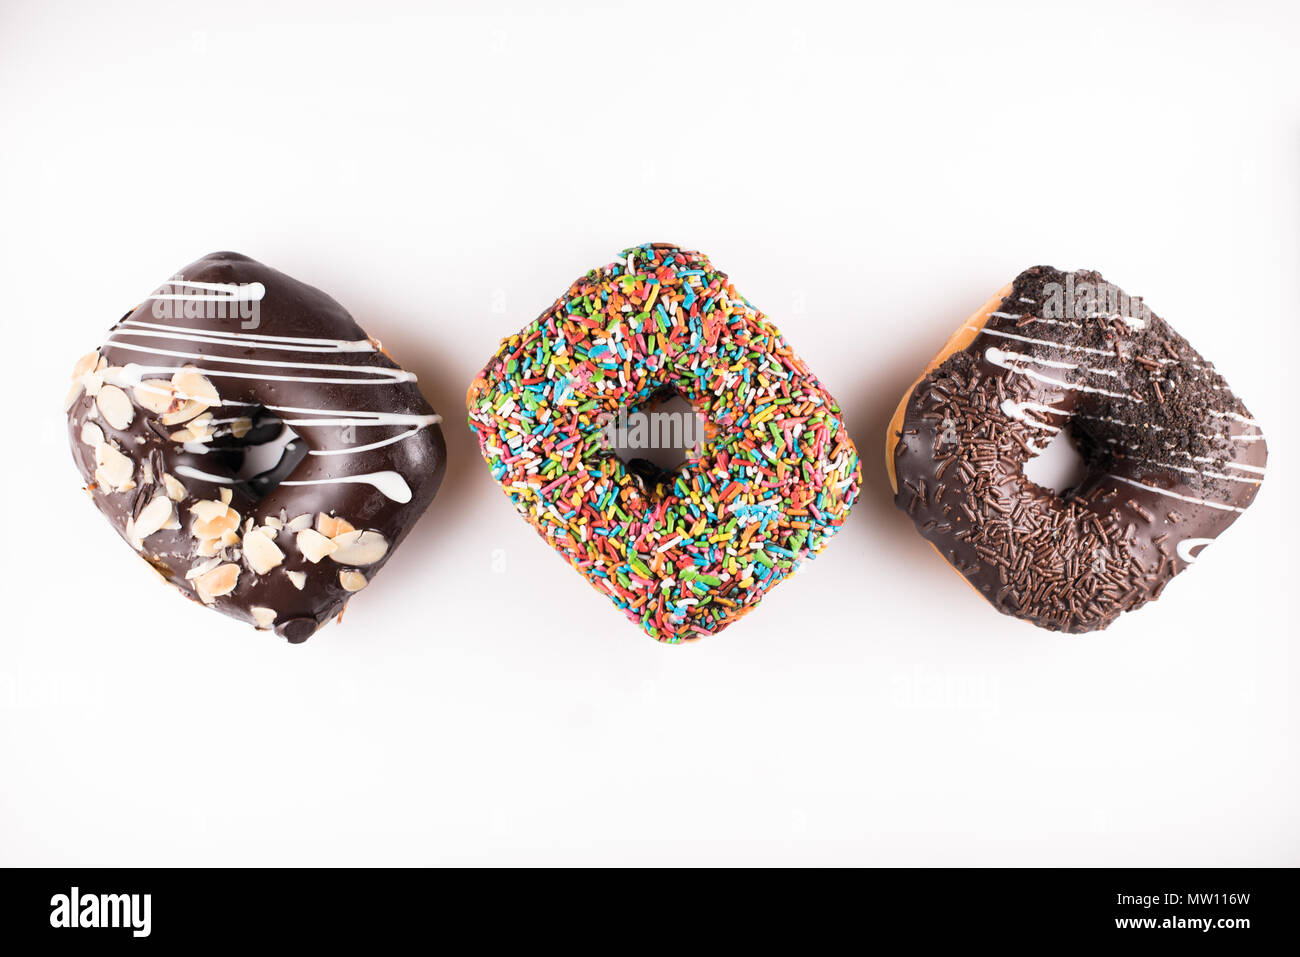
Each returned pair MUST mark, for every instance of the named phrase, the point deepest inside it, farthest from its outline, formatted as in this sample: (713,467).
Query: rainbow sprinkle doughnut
(775,478)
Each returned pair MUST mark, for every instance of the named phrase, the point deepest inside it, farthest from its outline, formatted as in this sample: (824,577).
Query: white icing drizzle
(357,417)
(985,330)
(1016,410)
(359,420)
(1050,322)
(998,357)
(1204,459)
(153,330)
(1236,417)
(388,482)
(188,472)
(1004,359)
(381,374)
(1256,469)
(216,291)
(1186,498)
(1191,471)
(1132,321)
(373,445)
(1058,364)
(1161,428)
(1184,548)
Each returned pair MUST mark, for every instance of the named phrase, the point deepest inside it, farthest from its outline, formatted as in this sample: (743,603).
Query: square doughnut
(1173,457)
(250,442)
(681,554)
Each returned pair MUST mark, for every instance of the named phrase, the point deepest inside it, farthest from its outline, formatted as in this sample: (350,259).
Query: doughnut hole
(1060,466)
(254,462)
(658,438)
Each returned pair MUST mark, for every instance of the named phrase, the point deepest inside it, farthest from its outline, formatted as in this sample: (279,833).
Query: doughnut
(1172,456)
(681,554)
(253,444)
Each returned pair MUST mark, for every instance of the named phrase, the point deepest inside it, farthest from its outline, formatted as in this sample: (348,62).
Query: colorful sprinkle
(682,555)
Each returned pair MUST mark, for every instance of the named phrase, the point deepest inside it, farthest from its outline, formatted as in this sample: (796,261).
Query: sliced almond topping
(352,580)
(207,547)
(152,518)
(93,381)
(275,523)
(314,545)
(91,434)
(217,582)
(195,387)
(74,391)
(214,520)
(265,617)
(113,469)
(330,526)
(156,395)
(115,407)
(219,527)
(207,509)
(202,567)
(298,579)
(175,490)
(359,548)
(85,364)
(299,523)
(225,494)
(262,553)
(185,412)
(240,427)
(229,537)
(197,430)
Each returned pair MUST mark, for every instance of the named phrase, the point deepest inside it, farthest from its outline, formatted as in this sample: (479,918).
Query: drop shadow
(890,528)
(869,421)
(416,344)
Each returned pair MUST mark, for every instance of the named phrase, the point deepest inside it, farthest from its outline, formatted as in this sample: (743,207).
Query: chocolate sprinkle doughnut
(1173,456)
(238,428)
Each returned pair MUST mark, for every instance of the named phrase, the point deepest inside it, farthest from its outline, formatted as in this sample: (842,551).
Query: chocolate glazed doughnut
(1173,457)
(253,444)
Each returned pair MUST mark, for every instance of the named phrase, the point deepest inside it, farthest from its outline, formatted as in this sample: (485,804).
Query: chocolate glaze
(253,368)
(1173,457)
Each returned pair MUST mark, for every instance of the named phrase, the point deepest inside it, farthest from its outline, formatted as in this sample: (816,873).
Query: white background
(867,177)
